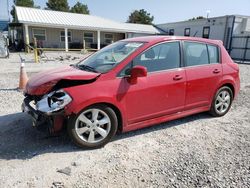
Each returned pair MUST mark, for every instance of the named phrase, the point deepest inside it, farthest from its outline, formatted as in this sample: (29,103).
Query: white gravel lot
(196,151)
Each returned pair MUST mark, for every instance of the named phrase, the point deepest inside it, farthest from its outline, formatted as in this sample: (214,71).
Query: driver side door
(162,91)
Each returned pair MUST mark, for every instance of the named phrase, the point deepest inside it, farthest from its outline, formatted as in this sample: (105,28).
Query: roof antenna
(208,12)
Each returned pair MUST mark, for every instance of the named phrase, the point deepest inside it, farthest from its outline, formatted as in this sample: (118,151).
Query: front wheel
(222,102)
(93,127)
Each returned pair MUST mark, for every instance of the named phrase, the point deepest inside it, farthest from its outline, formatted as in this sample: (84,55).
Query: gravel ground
(196,151)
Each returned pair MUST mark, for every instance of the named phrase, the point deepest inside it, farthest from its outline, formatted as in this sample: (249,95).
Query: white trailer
(233,30)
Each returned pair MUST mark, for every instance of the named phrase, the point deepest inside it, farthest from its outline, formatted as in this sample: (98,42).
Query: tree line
(137,16)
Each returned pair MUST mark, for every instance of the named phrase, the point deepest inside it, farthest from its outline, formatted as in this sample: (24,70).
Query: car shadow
(165,125)
(18,140)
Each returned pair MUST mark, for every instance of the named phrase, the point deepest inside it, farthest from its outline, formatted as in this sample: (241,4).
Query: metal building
(233,30)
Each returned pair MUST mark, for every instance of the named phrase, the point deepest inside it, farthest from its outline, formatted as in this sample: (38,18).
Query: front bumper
(42,121)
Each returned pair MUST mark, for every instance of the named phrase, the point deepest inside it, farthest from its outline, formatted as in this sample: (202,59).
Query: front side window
(195,54)
(108,38)
(107,58)
(161,57)
(213,52)
(206,32)
(62,36)
(39,34)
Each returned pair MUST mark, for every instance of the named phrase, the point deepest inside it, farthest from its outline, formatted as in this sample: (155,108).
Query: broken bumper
(41,120)
(47,111)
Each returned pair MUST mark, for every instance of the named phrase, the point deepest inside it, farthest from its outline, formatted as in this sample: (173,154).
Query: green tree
(59,5)
(80,8)
(23,3)
(140,17)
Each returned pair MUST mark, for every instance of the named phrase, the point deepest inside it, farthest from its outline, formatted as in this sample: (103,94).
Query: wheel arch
(117,112)
(229,83)
(231,86)
(116,109)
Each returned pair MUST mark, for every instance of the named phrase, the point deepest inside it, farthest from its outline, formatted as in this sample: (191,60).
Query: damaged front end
(47,111)
(45,97)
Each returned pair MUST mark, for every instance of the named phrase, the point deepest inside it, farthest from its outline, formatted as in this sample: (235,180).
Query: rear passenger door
(203,71)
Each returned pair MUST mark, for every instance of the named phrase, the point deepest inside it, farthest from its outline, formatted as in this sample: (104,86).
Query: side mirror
(135,72)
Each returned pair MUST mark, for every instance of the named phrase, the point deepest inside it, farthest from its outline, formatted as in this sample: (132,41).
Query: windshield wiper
(87,68)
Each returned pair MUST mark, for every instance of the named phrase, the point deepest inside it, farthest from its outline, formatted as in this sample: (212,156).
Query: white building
(55,29)
(233,30)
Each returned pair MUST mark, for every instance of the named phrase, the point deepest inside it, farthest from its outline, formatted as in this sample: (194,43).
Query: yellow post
(35,50)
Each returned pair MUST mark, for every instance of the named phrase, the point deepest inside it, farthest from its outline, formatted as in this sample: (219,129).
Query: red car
(131,84)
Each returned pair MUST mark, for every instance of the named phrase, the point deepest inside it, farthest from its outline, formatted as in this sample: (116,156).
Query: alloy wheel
(222,102)
(93,125)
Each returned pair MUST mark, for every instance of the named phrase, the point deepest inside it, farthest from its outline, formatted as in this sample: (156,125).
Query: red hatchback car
(131,84)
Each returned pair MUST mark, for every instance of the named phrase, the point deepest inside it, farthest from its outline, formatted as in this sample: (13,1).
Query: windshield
(110,56)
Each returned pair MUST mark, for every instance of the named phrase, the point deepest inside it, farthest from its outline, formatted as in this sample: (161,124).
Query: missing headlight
(53,102)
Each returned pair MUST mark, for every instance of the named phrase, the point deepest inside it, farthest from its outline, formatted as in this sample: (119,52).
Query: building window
(39,34)
(187,32)
(206,32)
(89,37)
(108,38)
(63,36)
(171,32)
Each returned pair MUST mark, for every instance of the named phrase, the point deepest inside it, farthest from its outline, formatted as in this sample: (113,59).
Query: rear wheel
(222,102)
(93,127)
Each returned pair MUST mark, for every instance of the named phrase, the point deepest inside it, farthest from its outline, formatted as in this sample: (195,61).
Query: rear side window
(161,57)
(195,54)
(213,52)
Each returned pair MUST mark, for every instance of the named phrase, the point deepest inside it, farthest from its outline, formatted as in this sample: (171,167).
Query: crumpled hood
(43,82)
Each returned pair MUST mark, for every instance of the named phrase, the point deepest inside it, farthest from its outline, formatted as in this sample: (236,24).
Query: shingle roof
(49,18)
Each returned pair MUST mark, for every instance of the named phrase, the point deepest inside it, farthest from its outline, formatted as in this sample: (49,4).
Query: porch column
(98,40)
(27,40)
(66,40)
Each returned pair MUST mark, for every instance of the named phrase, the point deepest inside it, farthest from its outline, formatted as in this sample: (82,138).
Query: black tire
(80,140)
(214,109)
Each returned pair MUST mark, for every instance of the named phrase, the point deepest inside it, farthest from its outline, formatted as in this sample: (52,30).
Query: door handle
(216,71)
(177,77)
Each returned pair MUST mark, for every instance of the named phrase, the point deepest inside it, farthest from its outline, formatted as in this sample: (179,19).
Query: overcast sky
(162,10)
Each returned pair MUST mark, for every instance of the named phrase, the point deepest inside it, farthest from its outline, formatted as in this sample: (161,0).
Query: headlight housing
(53,102)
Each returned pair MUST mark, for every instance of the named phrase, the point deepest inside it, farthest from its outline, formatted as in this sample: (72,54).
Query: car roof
(161,38)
